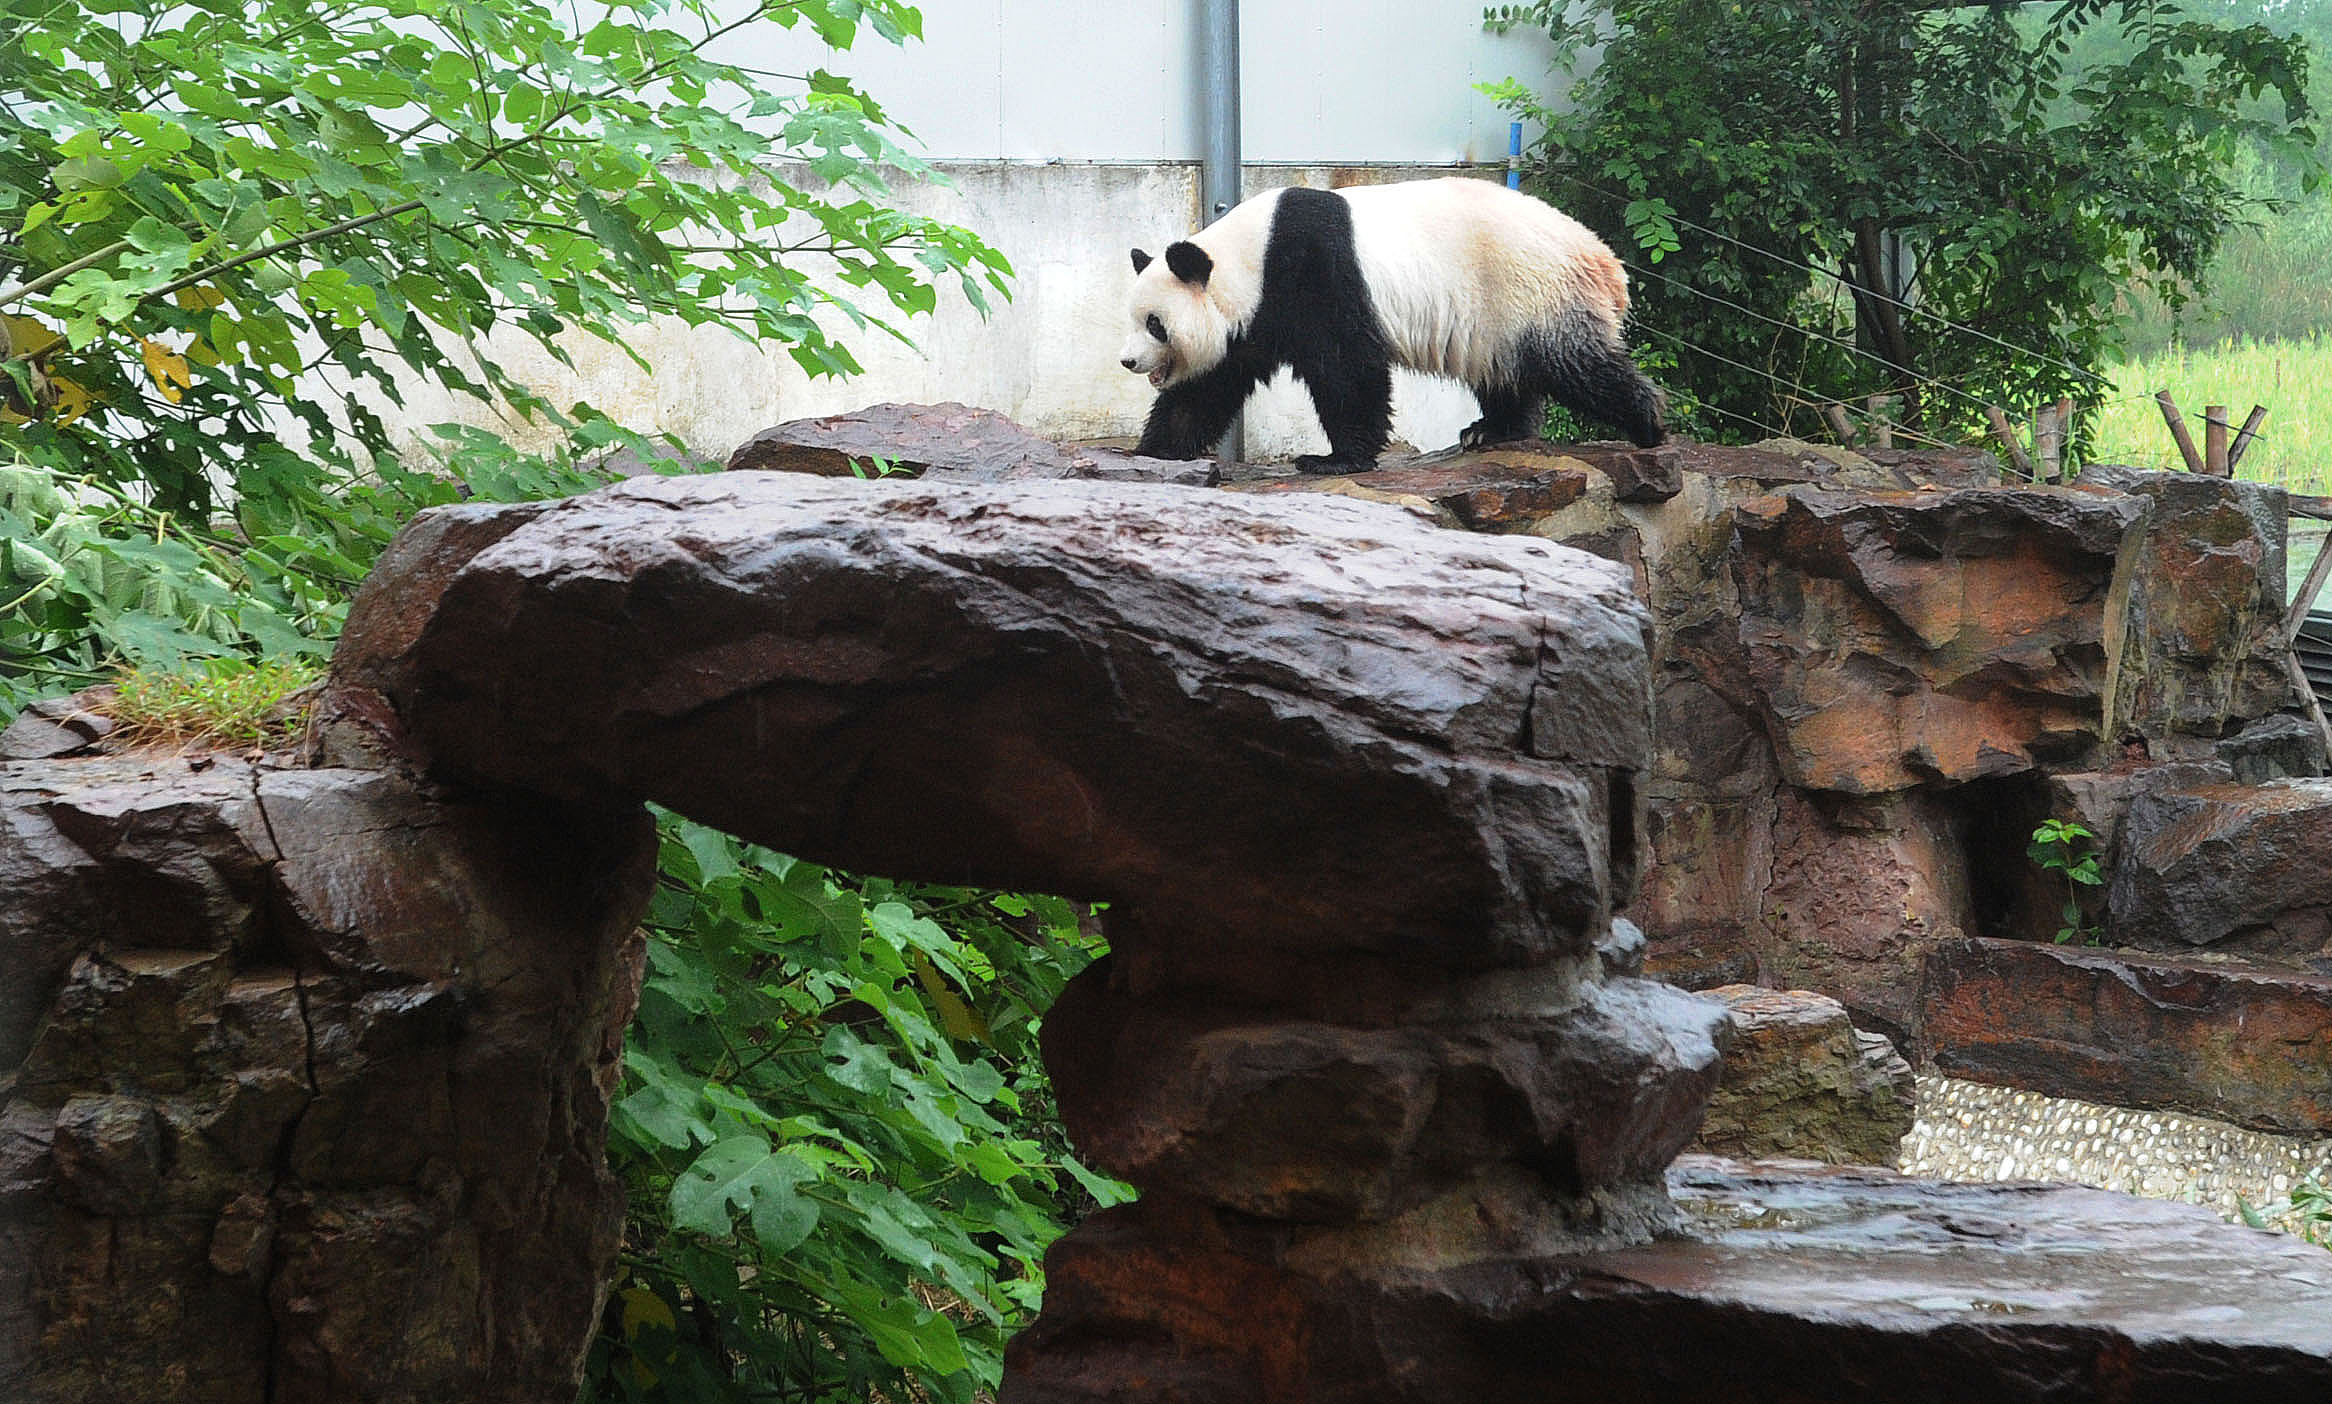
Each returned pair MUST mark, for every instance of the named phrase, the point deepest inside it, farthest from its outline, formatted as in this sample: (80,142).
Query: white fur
(1458,272)
(1461,269)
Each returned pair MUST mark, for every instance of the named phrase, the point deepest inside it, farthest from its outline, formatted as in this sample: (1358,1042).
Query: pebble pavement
(1969,1131)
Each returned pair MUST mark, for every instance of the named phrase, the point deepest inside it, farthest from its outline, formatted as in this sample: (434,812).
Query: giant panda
(1454,277)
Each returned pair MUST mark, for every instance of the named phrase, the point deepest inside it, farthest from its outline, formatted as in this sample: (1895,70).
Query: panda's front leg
(1354,399)
(1190,417)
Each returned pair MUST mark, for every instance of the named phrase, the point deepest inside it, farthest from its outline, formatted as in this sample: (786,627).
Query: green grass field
(2292,378)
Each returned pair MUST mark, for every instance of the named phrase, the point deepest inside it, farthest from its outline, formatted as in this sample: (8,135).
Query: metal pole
(1218,101)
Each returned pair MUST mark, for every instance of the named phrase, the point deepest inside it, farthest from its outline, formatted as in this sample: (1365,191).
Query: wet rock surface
(2202,647)
(1228,716)
(2234,869)
(946,443)
(1785,1284)
(2241,1044)
(1897,639)
(1802,1083)
(303,1083)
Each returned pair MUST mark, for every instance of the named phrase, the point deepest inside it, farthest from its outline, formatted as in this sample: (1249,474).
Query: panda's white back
(1460,269)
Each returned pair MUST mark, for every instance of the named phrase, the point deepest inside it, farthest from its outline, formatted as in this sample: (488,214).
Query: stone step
(2246,1044)
(1786,1284)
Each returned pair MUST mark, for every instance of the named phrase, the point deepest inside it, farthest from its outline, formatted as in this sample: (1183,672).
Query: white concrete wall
(1048,357)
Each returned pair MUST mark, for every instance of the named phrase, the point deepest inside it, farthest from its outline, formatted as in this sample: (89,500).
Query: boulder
(2201,647)
(2235,869)
(2236,1043)
(303,1083)
(1801,1083)
(1784,1284)
(1315,1122)
(947,443)
(1896,639)
(1271,729)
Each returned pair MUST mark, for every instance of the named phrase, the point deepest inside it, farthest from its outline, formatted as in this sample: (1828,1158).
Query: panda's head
(1179,330)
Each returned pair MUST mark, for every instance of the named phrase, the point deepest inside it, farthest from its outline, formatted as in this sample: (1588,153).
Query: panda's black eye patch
(1157,328)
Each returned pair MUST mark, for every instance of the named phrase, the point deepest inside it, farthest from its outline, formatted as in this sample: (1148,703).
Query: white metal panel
(1376,80)
(1334,81)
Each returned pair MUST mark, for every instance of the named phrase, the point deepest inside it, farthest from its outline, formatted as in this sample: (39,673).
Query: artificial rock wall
(306,1083)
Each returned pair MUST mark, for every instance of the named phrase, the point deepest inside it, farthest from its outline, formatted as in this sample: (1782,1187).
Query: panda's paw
(1319,463)
(1482,434)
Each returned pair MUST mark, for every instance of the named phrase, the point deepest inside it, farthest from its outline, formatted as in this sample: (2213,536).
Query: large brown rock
(1785,1286)
(1255,725)
(1801,1083)
(2201,647)
(303,1084)
(2241,1044)
(1310,1121)
(2238,869)
(1900,639)
(946,443)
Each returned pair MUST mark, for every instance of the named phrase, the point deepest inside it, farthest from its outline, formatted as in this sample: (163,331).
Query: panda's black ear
(1141,260)
(1189,262)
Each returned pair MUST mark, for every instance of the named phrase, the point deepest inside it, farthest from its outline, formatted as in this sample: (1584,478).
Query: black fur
(1315,316)
(1141,261)
(1189,262)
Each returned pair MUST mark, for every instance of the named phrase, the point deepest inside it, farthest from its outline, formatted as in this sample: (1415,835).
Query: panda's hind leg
(1577,363)
(1508,414)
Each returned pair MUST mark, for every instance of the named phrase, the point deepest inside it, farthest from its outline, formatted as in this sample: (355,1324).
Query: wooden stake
(1882,427)
(2306,598)
(2065,438)
(2178,431)
(2243,437)
(2007,438)
(1839,423)
(2048,439)
(2315,711)
(2214,440)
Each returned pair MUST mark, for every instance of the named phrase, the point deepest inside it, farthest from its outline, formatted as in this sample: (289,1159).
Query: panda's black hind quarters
(1578,368)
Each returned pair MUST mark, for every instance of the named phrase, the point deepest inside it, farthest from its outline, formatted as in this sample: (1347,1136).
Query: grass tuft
(222,702)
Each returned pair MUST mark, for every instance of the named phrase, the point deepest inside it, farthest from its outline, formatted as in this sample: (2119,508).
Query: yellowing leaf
(168,368)
(69,400)
(960,1019)
(642,1307)
(200,298)
(26,337)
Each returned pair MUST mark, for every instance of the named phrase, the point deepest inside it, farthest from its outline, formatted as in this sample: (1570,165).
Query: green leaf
(745,1172)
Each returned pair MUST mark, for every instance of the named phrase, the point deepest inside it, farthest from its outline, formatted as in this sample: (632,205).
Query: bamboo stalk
(2048,439)
(2214,440)
(2178,431)
(2297,611)
(2243,437)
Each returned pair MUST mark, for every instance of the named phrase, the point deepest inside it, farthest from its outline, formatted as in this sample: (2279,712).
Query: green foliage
(835,1129)
(2311,1206)
(2062,846)
(230,231)
(1760,165)
(2308,1213)
(235,701)
(229,235)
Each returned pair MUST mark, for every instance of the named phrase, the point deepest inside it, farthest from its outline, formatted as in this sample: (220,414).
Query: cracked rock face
(303,1082)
